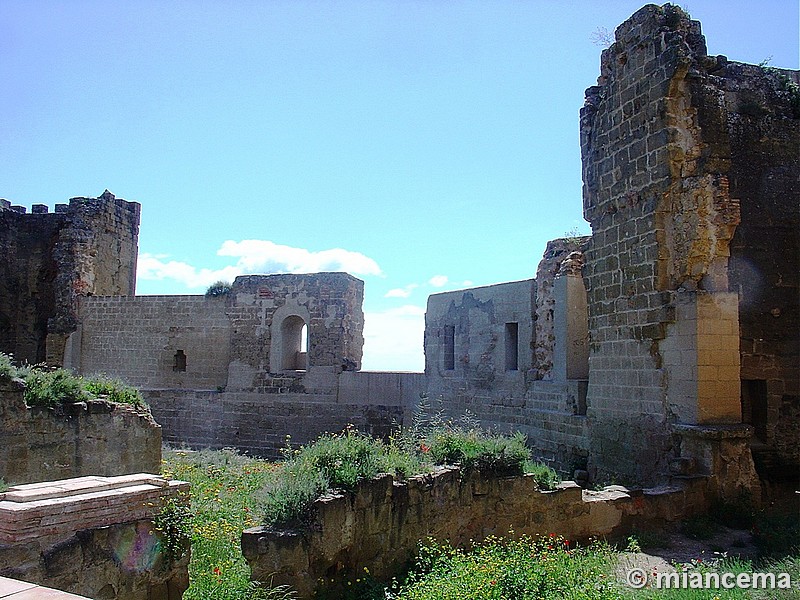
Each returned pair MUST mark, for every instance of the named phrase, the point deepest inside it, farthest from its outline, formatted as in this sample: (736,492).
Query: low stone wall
(380,525)
(92,536)
(90,438)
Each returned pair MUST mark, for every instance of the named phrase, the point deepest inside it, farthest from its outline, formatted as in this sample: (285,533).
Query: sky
(422,146)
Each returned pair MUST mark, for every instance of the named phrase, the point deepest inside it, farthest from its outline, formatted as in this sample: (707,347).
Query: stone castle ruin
(664,346)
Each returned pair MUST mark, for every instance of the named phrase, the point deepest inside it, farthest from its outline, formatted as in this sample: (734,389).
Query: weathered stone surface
(49,260)
(92,438)
(681,179)
(92,536)
(380,525)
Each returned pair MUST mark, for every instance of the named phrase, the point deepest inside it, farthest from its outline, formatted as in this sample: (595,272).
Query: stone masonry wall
(137,338)
(663,186)
(380,525)
(49,260)
(92,438)
(533,399)
(92,536)
(375,403)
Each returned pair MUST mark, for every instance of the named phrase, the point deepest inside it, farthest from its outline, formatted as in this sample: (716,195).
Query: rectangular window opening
(754,406)
(179,365)
(512,346)
(449,347)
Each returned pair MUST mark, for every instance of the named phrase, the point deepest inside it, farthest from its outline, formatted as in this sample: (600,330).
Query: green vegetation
(7,369)
(52,388)
(227,492)
(525,568)
(223,504)
(218,288)
(340,461)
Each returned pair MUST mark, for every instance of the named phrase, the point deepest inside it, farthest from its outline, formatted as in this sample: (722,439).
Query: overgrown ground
(227,497)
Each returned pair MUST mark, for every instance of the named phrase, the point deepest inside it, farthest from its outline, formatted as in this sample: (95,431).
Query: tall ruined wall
(663,185)
(259,308)
(764,132)
(49,260)
(91,438)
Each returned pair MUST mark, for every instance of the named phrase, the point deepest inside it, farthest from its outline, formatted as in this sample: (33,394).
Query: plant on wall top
(218,288)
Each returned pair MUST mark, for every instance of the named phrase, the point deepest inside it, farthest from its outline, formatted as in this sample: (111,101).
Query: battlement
(49,259)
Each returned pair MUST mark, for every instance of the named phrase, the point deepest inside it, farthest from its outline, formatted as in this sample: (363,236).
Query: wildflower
(424,448)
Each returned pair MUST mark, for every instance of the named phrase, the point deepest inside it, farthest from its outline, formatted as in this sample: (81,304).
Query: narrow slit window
(512,346)
(179,364)
(449,347)
(755,405)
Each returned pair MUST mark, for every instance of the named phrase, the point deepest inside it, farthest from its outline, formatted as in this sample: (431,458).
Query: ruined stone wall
(91,438)
(468,328)
(49,260)
(663,185)
(763,123)
(92,536)
(259,308)
(380,525)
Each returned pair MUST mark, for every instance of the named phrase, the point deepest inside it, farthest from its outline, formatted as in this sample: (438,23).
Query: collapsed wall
(49,260)
(689,168)
(95,437)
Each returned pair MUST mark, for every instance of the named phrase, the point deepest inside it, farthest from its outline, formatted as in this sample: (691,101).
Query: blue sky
(421,146)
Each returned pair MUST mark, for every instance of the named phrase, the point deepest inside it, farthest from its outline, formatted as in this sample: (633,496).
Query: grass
(225,501)
(222,506)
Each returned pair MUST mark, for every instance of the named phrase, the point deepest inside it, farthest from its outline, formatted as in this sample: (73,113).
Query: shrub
(545,477)
(218,288)
(114,390)
(7,369)
(52,388)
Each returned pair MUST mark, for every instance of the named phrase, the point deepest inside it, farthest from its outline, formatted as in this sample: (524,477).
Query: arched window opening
(294,354)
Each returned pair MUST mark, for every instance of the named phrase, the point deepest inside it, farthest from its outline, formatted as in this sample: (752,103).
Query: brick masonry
(92,536)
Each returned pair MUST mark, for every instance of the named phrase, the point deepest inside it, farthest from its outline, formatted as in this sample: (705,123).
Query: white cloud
(263,256)
(468,283)
(393,339)
(152,267)
(256,257)
(438,281)
(403,292)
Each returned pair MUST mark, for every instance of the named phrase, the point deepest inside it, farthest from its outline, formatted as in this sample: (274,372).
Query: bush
(7,369)
(218,288)
(114,390)
(51,389)
(476,449)
(545,477)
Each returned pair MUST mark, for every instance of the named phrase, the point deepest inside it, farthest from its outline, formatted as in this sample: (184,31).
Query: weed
(7,369)
(174,522)
(545,477)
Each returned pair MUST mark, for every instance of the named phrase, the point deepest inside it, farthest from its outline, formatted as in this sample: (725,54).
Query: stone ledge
(20,590)
(59,508)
